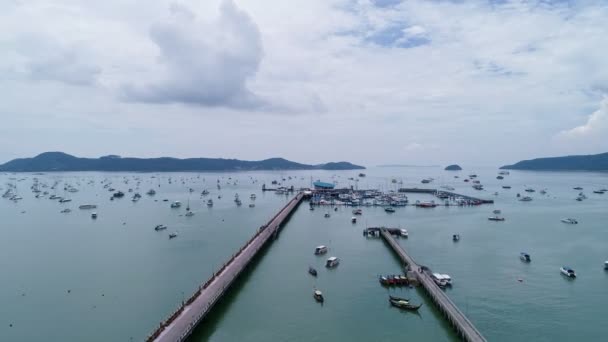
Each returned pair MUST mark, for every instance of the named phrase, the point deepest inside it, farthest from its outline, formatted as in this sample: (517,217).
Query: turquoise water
(124,277)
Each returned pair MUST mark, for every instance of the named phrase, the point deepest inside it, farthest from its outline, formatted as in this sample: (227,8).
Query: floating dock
(192,312)
(465,329)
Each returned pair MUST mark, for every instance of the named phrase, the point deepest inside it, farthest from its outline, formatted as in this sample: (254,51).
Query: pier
(447,193)
(192,311)
(465,329)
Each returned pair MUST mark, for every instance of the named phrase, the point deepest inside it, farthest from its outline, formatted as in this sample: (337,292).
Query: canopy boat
(318,295)
(405,305)
(332,262)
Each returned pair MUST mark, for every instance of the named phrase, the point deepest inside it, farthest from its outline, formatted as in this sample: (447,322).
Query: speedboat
(320,250)
(404,233)
(332,262)
(496,218)
(312,271)
(318,295)
(570,221)
(525,257)
(567,271)
(389,209)
(172,235)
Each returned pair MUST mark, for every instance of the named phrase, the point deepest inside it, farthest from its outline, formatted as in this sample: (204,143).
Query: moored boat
(332,262)
(312,271)
(320,250)
(318,296)
(456,237)
(496,218)
(569,220)
(525,257)
(567,271)
(404,305)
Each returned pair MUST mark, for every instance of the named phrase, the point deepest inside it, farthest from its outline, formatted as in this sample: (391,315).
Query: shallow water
(124,277)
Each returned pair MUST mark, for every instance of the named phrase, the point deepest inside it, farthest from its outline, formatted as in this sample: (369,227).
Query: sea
(66,276)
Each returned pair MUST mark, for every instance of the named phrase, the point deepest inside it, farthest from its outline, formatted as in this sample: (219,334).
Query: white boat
(332,262)
(439,280)
(87,206)
(320,250)
(567,271)
(404,233)
(525,257)
(176,204)
(569,221)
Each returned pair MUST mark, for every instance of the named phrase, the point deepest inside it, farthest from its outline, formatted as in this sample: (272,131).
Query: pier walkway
(183,321)
(465,329)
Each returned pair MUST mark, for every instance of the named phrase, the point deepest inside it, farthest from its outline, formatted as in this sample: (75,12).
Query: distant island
(59,161)
(453,167)
(595,162)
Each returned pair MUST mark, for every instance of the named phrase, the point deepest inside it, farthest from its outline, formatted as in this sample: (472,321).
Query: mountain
(59,161)
(595,162)
(453,167)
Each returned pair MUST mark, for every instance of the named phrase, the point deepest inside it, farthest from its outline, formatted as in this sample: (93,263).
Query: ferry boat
(87,206)
(569,221)
(176,204)
(318,295)
(320,250)
(332,262)
(567,271)
(525,257)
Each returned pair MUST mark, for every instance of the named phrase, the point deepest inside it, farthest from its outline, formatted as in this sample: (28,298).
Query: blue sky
(373,82)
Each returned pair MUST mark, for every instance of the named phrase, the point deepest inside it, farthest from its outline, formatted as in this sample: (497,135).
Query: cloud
(596,125)
(206,64)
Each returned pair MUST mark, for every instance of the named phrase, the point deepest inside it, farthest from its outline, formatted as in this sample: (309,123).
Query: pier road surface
(465,329)
(183,325)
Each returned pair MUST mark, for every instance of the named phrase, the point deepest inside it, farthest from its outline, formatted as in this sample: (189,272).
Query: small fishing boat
(160,227)
(357,212)
(189,214)
(327,215)
(578,188)
(65,211)
(525,257)
(496,218)
(94,215)
(353,219)
(399,299)
(456,237)
(210,203)
(567,271)
(312,271)
(526,199)
(389,209)
(405,305)
(172,235)
(87,206)
(318,295)
(497,211)
(606,265)
(176,204)
(569,221)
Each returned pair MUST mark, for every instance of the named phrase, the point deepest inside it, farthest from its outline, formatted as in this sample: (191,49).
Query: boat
(389,209)
(312,271)
(160,227)
(496,218)
(357,212)
(506,187)
(496,211)
(189,214)
(606,265)
(151,192)
(318,295)
(478,187)
(442,279)
(399,298)
(362,175)
(578,188)
(567,271)
(500,177)
(525,257)
(87,206)
(251,205)
(320,250)
(332,262)
(65,200)
(210,203)
(526,199)
(353,219)
(405,305)
(66,210)
(327,215)
(252,196)
(529,190)
(456,237)
(172,235)
(569,221)
(404,233)
(176,204)
(430,204)
(598,192)
(94,215)
(118,194)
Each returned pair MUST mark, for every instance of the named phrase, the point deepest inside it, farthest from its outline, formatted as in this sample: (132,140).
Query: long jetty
(449,193)
(191,313)
(465,329)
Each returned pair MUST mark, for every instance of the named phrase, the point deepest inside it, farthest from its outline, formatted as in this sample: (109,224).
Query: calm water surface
(123,277)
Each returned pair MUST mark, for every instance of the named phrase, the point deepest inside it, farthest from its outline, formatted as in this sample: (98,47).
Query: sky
(366,81)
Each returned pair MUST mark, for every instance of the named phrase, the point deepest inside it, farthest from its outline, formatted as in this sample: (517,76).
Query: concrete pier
(184,320)
(465,329)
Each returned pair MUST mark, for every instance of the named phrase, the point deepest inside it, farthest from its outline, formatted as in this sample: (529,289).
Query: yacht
(526,199)
(404,233)
(332,262)
(570,221)
(389,209)
(567,271)
(525,257)
(176,204)
(320,250)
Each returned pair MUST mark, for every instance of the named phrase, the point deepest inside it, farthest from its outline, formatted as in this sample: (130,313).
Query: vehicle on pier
(332,262)
(318,295)
(525,257)
(320,250)
(568,272)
